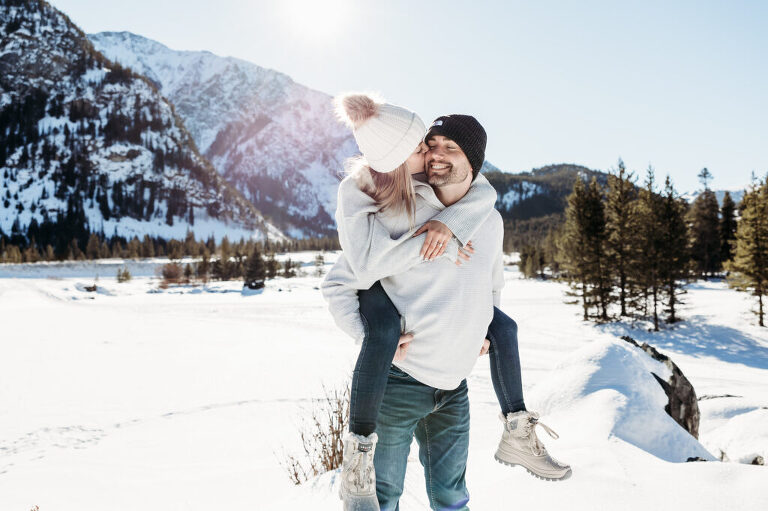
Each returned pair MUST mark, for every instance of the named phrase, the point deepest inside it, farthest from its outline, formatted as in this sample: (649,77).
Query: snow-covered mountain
(277,141)
(86,144)
(736,195)
(540,192)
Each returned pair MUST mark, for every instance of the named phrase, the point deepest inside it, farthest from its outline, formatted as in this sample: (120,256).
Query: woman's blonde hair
(392,191)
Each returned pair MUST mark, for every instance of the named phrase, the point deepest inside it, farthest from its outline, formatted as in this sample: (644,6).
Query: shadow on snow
(696,337)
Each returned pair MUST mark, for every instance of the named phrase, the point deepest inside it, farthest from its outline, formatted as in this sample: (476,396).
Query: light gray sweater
(447,308)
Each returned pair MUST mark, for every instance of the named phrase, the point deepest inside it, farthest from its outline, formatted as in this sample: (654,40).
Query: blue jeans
(505,362)
(382,332)
(439,419)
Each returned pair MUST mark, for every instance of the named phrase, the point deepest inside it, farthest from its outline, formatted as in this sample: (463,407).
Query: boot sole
(534,474)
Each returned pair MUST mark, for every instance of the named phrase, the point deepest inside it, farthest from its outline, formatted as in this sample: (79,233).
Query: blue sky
(680,85)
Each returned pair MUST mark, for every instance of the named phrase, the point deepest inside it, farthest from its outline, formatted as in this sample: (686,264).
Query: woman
(379,185)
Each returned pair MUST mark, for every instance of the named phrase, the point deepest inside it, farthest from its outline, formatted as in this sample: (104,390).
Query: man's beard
(453,176)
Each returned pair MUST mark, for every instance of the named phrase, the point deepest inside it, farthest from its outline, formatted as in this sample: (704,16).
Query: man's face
(446,162)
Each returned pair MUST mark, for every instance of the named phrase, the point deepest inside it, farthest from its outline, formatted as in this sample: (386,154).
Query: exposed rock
(695,458)
(683,406)
(758,461)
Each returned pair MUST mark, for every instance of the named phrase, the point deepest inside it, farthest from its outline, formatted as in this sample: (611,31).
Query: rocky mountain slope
(277,141)
(88,145)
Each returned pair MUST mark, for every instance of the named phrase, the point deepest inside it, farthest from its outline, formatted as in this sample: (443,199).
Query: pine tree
(673,254)
(549,252)
(529,259)
(705,233)
(204,266)
(175,250)
(147,247)
(620,226)
(572,252)
(31,254)
(582,248)
(73,252)
(134,248)
(216,272)
(272,265)
(750,261)
(647,268)
(237,268)
(255,270)
(13,254)
(117,250)
(727,227)
(191,247)
(187,273)
(534,258)
(319,265)
(704,176)
(289,269)
(223,268)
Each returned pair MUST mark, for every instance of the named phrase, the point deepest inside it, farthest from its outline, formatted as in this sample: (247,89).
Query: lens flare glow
(315,20)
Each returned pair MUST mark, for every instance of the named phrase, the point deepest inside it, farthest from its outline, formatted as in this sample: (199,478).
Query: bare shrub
(123,275)
(171,274)
(322,437)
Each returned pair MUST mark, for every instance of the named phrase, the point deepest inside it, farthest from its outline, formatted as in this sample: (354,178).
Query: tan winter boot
(358,476)
(520,446)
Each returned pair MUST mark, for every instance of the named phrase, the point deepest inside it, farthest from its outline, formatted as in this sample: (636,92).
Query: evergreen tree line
(230,264)
(22,249)
(627,251)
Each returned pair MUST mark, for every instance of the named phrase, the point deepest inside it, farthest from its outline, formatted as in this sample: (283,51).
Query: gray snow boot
(358,477)
(520,446)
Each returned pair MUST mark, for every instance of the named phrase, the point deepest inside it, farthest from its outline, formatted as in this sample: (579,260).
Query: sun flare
(315,20)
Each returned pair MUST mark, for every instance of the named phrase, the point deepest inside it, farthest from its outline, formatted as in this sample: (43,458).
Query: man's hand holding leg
(402,347)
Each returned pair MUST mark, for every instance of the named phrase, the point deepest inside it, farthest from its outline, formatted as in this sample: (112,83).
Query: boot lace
(529,430)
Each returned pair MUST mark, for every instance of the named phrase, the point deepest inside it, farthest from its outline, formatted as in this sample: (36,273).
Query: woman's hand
(484,349)
(402,347)
(438,235)
(465,253)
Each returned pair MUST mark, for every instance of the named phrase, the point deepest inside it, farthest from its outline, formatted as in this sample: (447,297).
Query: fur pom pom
(356,108)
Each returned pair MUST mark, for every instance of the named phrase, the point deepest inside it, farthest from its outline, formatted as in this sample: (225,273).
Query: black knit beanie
(466,132)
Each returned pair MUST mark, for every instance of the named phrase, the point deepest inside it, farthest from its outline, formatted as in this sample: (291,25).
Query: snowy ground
(186,399)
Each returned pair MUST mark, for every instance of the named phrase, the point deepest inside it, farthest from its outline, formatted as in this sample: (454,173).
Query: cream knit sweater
(448,308)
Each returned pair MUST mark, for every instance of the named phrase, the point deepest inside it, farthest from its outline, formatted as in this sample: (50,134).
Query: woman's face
(415,161)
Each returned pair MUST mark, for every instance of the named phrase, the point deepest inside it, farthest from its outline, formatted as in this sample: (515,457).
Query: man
(426,393)
(448,310)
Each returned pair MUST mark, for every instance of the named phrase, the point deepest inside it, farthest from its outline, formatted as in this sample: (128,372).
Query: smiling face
(446,162)
(415,161)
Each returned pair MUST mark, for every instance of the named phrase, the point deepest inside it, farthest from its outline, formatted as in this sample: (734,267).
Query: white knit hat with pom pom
(386,134)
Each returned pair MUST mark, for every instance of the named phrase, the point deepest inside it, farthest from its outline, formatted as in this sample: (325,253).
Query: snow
(111,163)
(94,76)
(258,119)
(518,193)
(188,398)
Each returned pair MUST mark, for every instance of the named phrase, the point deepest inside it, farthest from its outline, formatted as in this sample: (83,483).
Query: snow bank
(735,426)
(186,400)
(608,390)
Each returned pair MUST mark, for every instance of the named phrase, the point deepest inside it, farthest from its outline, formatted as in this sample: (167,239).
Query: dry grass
(322,437)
